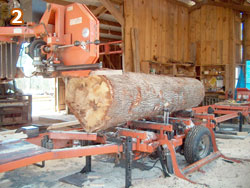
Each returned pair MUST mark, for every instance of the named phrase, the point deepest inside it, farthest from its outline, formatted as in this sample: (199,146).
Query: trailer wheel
(198,144)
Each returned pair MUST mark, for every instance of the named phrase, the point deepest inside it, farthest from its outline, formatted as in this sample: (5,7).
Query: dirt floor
(105,173)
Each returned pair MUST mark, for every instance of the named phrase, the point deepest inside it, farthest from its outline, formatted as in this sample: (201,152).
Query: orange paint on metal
(63,25)
(16,31)
(25,161)
(83,26)
(86,151)
(133,134)
(152,126)
(226,117)
(197,165)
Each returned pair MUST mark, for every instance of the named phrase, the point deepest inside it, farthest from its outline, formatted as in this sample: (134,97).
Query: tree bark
(100,102)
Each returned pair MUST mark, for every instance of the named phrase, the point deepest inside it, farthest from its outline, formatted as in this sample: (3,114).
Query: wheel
(198,144)
(37,43)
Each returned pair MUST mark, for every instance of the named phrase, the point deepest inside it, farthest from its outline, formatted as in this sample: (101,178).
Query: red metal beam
(226,117)
(152,126)
(86,151)
(62,154)
(16,31)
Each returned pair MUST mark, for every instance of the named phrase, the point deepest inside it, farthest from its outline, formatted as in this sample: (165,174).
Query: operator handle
(78,43)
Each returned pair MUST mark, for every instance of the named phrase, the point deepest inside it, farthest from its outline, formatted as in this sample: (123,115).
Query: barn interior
(124,93)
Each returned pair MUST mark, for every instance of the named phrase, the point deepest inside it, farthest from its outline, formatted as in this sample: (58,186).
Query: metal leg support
(40,165)
(240,122)
(160,154)
(87,167)
(128,164)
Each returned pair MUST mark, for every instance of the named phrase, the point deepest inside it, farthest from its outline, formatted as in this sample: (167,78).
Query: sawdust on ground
(218,173)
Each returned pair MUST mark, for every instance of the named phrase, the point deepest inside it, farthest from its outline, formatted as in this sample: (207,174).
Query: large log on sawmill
(100,102)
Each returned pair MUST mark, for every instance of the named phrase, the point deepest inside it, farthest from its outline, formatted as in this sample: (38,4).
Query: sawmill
(124,93)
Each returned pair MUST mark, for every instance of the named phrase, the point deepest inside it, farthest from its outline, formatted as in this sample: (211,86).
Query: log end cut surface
(89,100)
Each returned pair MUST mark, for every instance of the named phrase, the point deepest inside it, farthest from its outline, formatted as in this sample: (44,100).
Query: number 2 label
(18,16)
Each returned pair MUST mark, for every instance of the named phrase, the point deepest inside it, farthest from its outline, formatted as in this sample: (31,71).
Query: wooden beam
(109,62)
(105,31)
(118,2)
(67,2)
(135,49)
(179,3)
(105,39)
(63,2)
(63,125)
(99,11)
(113,10)
(233,6)
(106,22)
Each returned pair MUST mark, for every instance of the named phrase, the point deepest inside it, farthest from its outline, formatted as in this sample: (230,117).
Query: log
(100,102)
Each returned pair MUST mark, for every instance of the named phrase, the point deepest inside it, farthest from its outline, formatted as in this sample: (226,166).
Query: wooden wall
(247,36)
(162,27)
(214,34)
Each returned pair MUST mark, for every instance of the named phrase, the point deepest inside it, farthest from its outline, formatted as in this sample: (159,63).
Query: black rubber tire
(35,44)
(194,142)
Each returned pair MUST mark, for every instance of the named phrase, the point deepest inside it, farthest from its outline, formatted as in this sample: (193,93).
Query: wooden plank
(226,31)
(192,27)
(128,12)
(214,52)
(180,33)
(247,36)
(208,52)
(233,6)
(111,65)
(117,33)
(99,11)
(175,29)
(231,50)
(154,29)
(193,52)
(113,10)
(186,38)
(135,49)
(203,35)
(111,23)
(219,53)
(147,36)
(141,29)
(67,2)
(198,36)
(213,35)
(164,36)
(159,31)
(198,53)
(13,136)
(219,34)
(63,125)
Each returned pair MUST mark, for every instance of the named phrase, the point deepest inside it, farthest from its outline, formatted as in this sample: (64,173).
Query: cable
(154,165)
